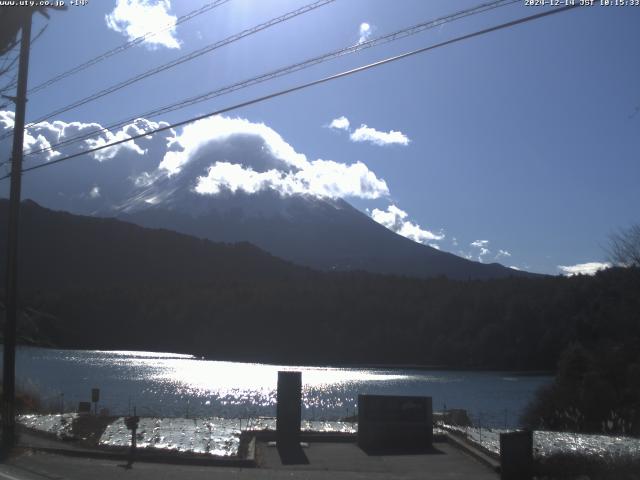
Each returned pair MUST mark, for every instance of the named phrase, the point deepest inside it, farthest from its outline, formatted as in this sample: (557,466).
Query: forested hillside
(111,285)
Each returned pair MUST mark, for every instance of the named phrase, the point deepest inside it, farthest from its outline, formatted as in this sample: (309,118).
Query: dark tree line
(597,385)
(596,390)
(521,324)
(101,283)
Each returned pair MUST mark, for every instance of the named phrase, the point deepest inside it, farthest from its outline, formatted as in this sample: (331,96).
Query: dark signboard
(399,423)
(516,455)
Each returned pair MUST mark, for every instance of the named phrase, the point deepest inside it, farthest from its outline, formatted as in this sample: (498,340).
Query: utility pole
(11,286)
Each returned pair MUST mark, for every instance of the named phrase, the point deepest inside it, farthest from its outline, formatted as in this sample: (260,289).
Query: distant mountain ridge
(63,250)
(324,234)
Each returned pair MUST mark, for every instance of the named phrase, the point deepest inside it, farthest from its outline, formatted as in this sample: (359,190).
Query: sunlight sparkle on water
(231,388)
(176,385)
(239,384)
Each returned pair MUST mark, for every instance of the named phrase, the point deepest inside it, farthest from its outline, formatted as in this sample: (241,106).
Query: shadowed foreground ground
(325,460)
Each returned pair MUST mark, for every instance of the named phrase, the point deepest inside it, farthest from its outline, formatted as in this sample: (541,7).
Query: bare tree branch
(624,247)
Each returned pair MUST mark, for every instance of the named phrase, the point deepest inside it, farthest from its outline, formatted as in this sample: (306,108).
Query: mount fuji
(231,180)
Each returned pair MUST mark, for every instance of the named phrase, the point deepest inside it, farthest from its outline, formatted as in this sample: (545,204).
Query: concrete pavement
(325,461)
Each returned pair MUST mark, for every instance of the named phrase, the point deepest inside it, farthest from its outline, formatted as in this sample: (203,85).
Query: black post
(289,408)
(134,439)
(95,398)
(516,455)
(132,424)
(11,287)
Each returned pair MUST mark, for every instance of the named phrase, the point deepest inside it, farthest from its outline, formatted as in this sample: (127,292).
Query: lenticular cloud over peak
(215,136)
(236,155)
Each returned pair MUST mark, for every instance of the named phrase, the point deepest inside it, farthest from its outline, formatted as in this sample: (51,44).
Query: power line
(127,45)
(9,65)
(303,86)
(183,59)
(398,34)
(306,85)
(13,65)
(289,69)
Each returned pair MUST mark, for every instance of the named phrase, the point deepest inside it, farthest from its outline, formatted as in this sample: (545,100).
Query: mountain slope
(61,250)
(236,181)
(320,233)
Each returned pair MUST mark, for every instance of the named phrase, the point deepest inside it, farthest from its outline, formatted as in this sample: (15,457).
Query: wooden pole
(11,286)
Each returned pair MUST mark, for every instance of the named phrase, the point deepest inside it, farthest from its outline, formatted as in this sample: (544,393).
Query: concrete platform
(324,461)
(347,460)
(323,457)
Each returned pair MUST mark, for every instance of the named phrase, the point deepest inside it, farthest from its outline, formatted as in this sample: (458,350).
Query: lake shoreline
(355,366)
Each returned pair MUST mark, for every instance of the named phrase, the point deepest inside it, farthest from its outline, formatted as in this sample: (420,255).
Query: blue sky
(520,146)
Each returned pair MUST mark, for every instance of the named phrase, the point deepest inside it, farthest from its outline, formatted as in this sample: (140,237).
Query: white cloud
(135,18)
(479,243)
(138,127)
(367,134)
(365,32)
(513,267)
(265,161)
(340,123)
(589,268)
(33,139)
(213,133)
(105,177)
(483,250)
(7,119)
(46,134)
(322,178)
(43,135)
(482,246)
(234,177)
(333,179)
(208,157)
(146,179)
(395,220)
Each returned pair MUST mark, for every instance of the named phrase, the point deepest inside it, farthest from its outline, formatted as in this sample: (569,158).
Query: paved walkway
(347,460)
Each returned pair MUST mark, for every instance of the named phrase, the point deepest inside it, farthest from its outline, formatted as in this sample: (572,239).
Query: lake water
(172,385)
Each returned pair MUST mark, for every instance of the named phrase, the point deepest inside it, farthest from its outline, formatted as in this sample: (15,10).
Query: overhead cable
(303,86)
(125,46)
(180,60)
(390,37)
